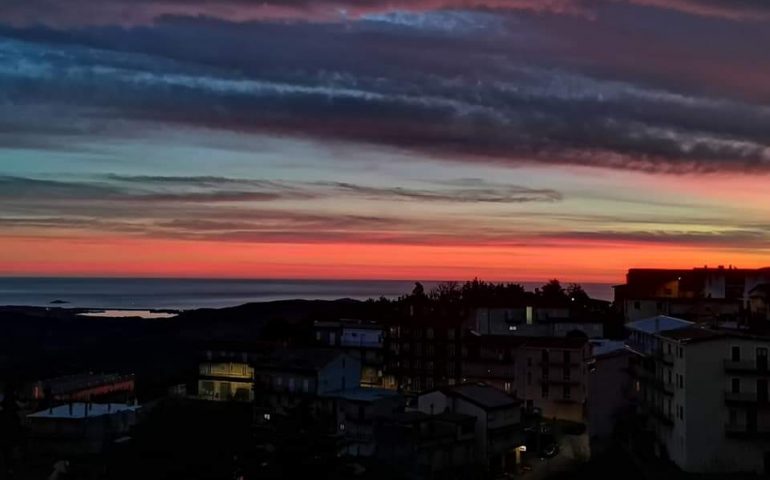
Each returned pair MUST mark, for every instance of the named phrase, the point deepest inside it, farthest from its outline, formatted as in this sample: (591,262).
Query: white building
(705,394)
(498,418)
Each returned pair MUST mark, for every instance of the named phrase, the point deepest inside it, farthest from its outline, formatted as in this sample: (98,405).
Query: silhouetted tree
(552,291)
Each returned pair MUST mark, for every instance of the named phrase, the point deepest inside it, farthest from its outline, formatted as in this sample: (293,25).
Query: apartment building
(546,373)
(533,321)
(361,339)
(223,381)
(704,393)
(703,295)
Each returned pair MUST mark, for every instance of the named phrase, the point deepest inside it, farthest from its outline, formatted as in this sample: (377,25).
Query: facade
(546,373)
(286,378)
(429,446)
(357,412)
(498,430)
(699,294)
(704,394)
(225,381)
(532,321)
(424,354)
(360,339)
(79,428)
(759,304)
(610,395)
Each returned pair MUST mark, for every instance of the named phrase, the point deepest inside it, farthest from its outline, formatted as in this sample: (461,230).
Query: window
(637,306)
(669,348)
(567,358)
(567,372)
(546,372)
(544,357)
(507,387)
(529,378)
(566,393)
(735,354)
(529,361)
(681,381)
(736,385)
(681,352)
(669,371)
(544,391)
(733,417)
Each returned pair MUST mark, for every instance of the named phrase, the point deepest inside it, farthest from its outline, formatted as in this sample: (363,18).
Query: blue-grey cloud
(457,96)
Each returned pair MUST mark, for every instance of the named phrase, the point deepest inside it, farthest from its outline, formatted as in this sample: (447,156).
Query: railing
(743,366)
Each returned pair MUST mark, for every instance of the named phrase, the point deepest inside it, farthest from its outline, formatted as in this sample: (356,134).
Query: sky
(371,139)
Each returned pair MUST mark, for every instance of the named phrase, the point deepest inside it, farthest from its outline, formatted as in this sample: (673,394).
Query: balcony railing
(746,366)
(745,397)
(734,430)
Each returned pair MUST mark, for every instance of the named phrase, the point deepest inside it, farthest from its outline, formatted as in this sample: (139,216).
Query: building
(286,378)
(759,305)
(360,339)
(79,428)
(429,446)
(498,429)
(423,353)
(703,295)
(534,321)
(610,395)
(81,387)
(547,373)
(357,412)
(226,381)
(704,393)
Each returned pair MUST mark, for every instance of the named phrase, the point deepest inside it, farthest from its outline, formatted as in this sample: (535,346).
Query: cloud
(449,99)
(142,12)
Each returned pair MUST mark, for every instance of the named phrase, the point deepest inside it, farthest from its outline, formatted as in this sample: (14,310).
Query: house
(498,430)
(704,393)
(429,446)
(361,339)
(286,378)
(357,412)
(224,381)
(79,428)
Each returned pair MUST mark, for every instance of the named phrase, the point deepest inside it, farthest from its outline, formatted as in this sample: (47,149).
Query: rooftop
(481,395)
(362,394)
(84,410)
(657,324)
(602,347)
(303,359)
(692,334)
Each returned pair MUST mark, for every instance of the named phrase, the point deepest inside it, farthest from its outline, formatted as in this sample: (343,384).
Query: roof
(534,342)
(481,395)
(73,383)
(84,410)
(302,359)
(362,394)
(692,335)
(603,347)
(763,289)
(349,323)
(657,324)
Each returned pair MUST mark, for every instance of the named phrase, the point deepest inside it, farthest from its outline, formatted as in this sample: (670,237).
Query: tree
(553,291)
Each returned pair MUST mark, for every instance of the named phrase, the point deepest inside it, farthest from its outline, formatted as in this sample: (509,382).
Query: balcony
(744,366)
(665,358)
(743,431)
(745,398)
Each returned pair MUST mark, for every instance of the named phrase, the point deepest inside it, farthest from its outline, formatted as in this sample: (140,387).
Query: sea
(186,294)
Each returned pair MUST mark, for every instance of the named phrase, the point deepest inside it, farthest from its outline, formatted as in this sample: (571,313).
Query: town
(466,380)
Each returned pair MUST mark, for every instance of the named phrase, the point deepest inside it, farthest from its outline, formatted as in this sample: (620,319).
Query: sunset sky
(400,139)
